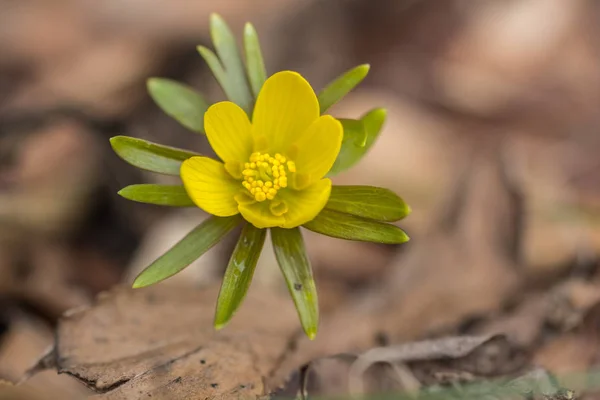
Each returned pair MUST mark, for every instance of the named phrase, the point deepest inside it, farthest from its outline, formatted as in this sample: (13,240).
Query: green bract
(352,212)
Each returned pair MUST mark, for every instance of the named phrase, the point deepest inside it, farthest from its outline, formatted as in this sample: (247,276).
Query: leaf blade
(351,153)
(215,66)
(236,87)
(354,131)
(341,86)
(150,156)
(255,65)
(369,202)
(349,227)
(160,195)
(179,101)
(239,273)
(297,271)
(187,250)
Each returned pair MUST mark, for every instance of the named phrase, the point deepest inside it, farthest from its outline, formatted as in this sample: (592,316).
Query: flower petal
(210,186)
(259,215)
(228,131)
(304,205)
(285,107)
(318,147)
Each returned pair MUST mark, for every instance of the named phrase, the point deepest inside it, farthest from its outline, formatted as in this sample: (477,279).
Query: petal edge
(210,186)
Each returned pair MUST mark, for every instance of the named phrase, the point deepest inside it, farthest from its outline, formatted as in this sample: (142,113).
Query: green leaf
(238,275)
(354,132)
(341,86)
(257,74)
(215,66)
(161,195)
(351,153)
(179,101)
(295,266)
(187,250)
(150,156)
(229,71)
(368,202)
(349,227)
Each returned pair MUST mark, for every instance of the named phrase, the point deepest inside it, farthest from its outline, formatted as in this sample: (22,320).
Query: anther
(260,196)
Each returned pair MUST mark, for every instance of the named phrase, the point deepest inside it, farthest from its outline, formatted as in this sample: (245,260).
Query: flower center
(264,175)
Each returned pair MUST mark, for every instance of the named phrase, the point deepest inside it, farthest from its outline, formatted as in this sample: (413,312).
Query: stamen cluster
(264,175)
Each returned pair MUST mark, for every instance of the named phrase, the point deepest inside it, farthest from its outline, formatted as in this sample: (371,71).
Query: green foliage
(150,156)
(238,275)
(351,152)
(179,101)
(228,66)
(352,212)
(255,65)
(160,195)
(295,266)
(341,86)
(349,227)
(354,131)
(368,202)
(187,250)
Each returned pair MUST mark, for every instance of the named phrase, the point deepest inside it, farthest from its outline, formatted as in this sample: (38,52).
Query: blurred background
(493,138)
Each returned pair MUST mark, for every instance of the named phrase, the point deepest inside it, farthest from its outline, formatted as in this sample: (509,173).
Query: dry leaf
(159,342)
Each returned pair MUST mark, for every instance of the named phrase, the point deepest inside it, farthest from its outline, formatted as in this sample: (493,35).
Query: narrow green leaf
(187,250)
(368,202)
(215,66)
(161,195)
(349,227)
(295,266)
(238,275)
(150,156)
(236,85)
(257,74)
(179,101)
(354,131)
(341,86)
(351,153)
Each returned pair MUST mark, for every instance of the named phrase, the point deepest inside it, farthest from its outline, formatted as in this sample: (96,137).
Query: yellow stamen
(264,176)
(260,196)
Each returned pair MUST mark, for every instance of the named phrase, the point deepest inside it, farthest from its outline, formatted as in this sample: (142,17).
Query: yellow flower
(273,167)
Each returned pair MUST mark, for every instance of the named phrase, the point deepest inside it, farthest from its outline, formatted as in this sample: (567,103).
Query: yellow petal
(228,131)
(304,205)
(210,186)
(285,107)
(259,215)
(318,147)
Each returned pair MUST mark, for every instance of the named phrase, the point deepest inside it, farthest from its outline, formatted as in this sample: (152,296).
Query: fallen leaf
(160,342)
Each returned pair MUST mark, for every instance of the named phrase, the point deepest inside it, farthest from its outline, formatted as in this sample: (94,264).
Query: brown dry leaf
(467,266)
(408,367)
(160,342)
(55,174)
(523,325)
(562,308)
(578,350)
(19,349)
